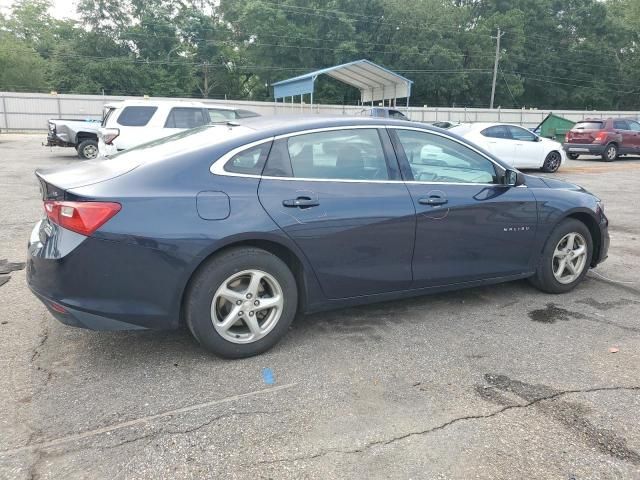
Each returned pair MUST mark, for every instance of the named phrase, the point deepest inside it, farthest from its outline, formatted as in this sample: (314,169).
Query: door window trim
(217,168)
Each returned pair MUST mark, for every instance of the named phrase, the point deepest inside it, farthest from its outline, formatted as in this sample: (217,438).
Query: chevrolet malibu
(233,229)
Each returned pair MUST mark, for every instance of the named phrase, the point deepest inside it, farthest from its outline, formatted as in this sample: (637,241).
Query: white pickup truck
(134,122)
(80,134)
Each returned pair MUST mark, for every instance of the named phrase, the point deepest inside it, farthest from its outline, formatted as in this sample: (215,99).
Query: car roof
(155,103)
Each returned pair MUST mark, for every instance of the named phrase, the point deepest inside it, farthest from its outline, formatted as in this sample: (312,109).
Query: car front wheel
(552,162)
(241,302)
(565,258)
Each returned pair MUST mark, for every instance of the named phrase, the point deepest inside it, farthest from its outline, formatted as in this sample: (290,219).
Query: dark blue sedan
(234,228)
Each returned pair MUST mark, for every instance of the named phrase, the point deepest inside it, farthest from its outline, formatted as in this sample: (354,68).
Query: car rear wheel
(610,153)
(573,156)
(552,162)
(565,258)
(241,302)
(88,149)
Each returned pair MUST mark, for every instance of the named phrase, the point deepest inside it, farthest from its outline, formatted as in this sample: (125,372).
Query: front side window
(349,154)
(433,158)
(521,134)
(136,116)
(249,161)
(182,117)
(634,126)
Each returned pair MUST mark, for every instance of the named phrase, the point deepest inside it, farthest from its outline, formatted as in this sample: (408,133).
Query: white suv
(134,122)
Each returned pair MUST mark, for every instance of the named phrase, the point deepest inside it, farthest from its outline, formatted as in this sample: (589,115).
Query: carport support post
(4,111)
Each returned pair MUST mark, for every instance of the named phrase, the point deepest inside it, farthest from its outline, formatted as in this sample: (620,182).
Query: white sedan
(515,145)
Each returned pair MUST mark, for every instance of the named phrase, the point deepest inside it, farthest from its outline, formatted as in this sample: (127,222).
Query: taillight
(81,217)
(109,135)
(600,137)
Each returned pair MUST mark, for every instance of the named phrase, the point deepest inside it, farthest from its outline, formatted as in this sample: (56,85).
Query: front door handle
(301,202)
(432,200)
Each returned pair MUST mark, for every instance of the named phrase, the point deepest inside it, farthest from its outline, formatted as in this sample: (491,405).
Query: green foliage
(554,54)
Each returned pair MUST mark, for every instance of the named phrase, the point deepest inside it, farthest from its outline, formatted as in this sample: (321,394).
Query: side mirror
(538,139)
(513,178)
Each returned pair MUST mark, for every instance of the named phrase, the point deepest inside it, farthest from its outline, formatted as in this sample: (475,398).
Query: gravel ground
(497,382)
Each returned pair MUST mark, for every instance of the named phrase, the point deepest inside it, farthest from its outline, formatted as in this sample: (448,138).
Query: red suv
(609,138)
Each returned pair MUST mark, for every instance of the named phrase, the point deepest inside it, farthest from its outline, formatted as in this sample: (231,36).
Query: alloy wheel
(611,152)
(553,162)
(569,258)
(247,306)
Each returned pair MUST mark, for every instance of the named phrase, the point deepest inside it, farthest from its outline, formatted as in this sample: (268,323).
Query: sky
(61,8)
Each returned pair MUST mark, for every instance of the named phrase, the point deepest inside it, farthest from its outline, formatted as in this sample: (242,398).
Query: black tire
(573,156)
(211,275)
(552,162)
(88,149)
(544,278)
(610,153)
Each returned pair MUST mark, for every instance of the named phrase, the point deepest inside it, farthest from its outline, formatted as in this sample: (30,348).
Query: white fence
(30,111)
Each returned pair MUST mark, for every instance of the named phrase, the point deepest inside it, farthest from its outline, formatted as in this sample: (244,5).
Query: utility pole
(495,66)
(205,69)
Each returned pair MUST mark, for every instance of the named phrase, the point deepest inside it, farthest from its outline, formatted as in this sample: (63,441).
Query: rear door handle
(432,200)
(301,202)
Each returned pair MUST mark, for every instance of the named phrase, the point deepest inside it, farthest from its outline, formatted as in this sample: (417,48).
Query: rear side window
(499,131)
(246,114)
(620,125)
(181,117)
(350,154)
(218,115)
(588,126)
(136,116)
(249,161)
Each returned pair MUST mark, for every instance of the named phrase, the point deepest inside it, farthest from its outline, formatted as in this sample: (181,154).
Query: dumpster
(554,127)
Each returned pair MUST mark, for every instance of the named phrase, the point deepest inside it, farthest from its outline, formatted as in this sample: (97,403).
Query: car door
(623,128)
(342,201)
(635,128)
(529,151)
(469,226)
(497,140)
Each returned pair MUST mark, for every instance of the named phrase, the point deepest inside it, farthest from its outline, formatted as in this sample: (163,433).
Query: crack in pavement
(138,421)
(184,431)
(442,426)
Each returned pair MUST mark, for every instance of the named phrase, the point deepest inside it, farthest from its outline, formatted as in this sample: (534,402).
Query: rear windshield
(590,125)
(136,116)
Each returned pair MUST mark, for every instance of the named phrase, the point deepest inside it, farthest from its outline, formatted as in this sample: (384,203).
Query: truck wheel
(610,153)
(573,156)
(88,149)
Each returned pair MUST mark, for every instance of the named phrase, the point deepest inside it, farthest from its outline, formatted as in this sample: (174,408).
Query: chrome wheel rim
(90,151)
(247,306)
(611,152)
(569,258)
(553,162)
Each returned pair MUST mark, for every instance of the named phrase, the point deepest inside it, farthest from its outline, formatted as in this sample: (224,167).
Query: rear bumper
(584,148)
(103,285)
(53,140)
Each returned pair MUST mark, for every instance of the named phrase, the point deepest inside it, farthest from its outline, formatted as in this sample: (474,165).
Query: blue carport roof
(373,81)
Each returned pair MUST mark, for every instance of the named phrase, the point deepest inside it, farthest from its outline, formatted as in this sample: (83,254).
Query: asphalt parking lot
(495,382)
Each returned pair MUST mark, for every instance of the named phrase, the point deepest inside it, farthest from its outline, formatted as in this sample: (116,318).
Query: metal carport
(374,82)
